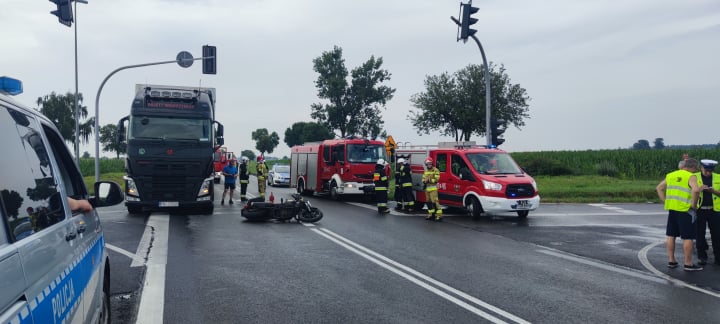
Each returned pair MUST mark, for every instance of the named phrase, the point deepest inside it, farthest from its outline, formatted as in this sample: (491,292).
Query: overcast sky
(602,74)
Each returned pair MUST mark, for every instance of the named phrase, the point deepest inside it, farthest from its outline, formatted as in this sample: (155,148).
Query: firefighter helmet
(401,160)
(380,162)
(429,161)
(244,159)
(259,158)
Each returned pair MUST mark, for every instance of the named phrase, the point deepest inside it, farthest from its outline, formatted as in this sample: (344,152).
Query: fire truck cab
(475,177)
(336,167)
(221,158)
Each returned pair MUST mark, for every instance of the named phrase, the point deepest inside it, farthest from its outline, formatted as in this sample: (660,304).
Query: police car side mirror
(107,193)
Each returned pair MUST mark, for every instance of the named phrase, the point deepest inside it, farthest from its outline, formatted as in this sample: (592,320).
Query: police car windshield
(493,163)
(362,153)
(169,128)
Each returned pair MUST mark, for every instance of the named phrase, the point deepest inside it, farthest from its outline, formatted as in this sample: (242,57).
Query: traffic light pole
(488,101)
(97,106)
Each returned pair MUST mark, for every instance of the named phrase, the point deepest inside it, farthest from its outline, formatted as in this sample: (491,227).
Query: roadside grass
(114,176)
(595,189)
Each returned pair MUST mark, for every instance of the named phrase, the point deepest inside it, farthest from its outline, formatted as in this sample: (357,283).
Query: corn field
(621,163)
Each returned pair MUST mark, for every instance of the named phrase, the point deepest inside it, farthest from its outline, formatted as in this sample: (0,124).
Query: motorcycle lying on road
(257,209)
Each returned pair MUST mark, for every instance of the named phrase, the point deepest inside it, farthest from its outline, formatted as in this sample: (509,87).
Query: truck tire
(523,213)
(473,207)
(301,187)
(334,195)
(134,209)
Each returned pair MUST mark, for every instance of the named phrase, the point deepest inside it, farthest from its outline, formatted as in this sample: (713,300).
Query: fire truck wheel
(523,213)
(301,187)
(473,207)
(334,191)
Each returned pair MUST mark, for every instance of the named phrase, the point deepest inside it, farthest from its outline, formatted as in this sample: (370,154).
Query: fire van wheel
(334,195)
(523,213)
(473,207)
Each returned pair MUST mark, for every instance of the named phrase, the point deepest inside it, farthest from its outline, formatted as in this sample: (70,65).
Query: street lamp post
(77,110)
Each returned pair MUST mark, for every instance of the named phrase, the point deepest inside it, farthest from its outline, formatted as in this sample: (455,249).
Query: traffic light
(209,59)
(497,127)
(63,12)
(467,11)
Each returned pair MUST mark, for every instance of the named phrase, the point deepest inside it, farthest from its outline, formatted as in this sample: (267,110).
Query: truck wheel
(473,207)
(523,213)
(300,187)
(334,195)
(134,209)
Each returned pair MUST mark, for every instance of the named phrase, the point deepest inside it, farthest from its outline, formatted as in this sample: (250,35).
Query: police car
(53,264)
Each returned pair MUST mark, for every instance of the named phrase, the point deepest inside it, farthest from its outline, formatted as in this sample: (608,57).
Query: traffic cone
(272,198)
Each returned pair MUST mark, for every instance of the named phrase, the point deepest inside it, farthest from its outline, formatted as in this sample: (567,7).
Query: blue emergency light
(10,86)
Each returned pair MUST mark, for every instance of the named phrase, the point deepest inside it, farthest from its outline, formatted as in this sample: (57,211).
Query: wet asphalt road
(567,263)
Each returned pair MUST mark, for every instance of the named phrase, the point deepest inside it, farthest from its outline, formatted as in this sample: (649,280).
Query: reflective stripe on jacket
(431,178)
(678,194)
(715,185)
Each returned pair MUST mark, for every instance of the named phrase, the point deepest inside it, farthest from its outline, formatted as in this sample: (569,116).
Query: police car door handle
(70,236)
(81,228)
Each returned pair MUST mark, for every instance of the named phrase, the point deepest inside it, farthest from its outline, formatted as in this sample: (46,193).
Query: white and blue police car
(53,264)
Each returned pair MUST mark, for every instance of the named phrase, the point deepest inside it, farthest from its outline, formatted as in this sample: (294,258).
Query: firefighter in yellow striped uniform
(430,178)
(262,172)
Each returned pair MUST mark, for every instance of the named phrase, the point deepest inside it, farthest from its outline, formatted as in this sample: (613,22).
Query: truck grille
(169,188)
(519,191)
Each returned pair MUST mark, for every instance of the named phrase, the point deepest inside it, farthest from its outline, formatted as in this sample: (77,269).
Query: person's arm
(661,190)
(79,205)
(695,191)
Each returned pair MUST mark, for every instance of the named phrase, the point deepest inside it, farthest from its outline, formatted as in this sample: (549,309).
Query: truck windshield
(361,153)
(495,163)
(169,128)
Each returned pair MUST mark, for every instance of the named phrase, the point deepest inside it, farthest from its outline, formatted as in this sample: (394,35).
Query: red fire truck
(475,177)
(337,167)
(221,158)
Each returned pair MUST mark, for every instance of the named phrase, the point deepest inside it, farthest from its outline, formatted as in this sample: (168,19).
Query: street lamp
(77,110)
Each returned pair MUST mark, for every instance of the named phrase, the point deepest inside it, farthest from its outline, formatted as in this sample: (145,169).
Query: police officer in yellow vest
(708,214)
(679,191)
(430,178)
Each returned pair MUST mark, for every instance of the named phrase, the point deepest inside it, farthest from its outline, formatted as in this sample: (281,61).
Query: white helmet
(244,159)
(380,162)
(400,160)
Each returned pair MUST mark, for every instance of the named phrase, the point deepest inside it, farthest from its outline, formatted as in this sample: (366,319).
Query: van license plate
(168,204)
(523,204)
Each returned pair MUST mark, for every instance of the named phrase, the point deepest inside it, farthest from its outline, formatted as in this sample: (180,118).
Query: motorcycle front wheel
(311,216)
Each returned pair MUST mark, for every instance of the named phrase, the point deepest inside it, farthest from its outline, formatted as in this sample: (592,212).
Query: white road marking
(614,208)
(415,277)
(143,247)
(605,266)
(126,253)
(152,300)
(642,256)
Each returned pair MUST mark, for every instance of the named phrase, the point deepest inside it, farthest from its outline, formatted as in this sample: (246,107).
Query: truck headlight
(489,185)
(130,187)
(206,187)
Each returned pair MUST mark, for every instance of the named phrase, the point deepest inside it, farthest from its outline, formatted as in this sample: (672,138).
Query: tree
(264,141)
(60,109)
(108,138)
(659,143)
(248,154)
(642,144)
(354,108)
(13,202)
(86,155)
(455,104)
(303,132)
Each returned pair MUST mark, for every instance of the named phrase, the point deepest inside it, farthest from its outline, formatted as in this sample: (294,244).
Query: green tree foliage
(642,144)
(353,108)
(13,201)
(303,132)
(264,141)
(659,143)
(86,155)
(108,138)
(61,110)
(455,104)
(248,154)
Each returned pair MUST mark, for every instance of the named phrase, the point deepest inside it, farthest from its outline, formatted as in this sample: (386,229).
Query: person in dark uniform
(244,178)
(380,180)
(405,191)
(708,214)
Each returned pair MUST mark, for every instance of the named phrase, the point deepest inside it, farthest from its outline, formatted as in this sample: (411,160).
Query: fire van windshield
(493,163)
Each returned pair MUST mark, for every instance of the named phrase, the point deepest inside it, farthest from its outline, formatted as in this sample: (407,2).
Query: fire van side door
(441,162)
(455,186)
